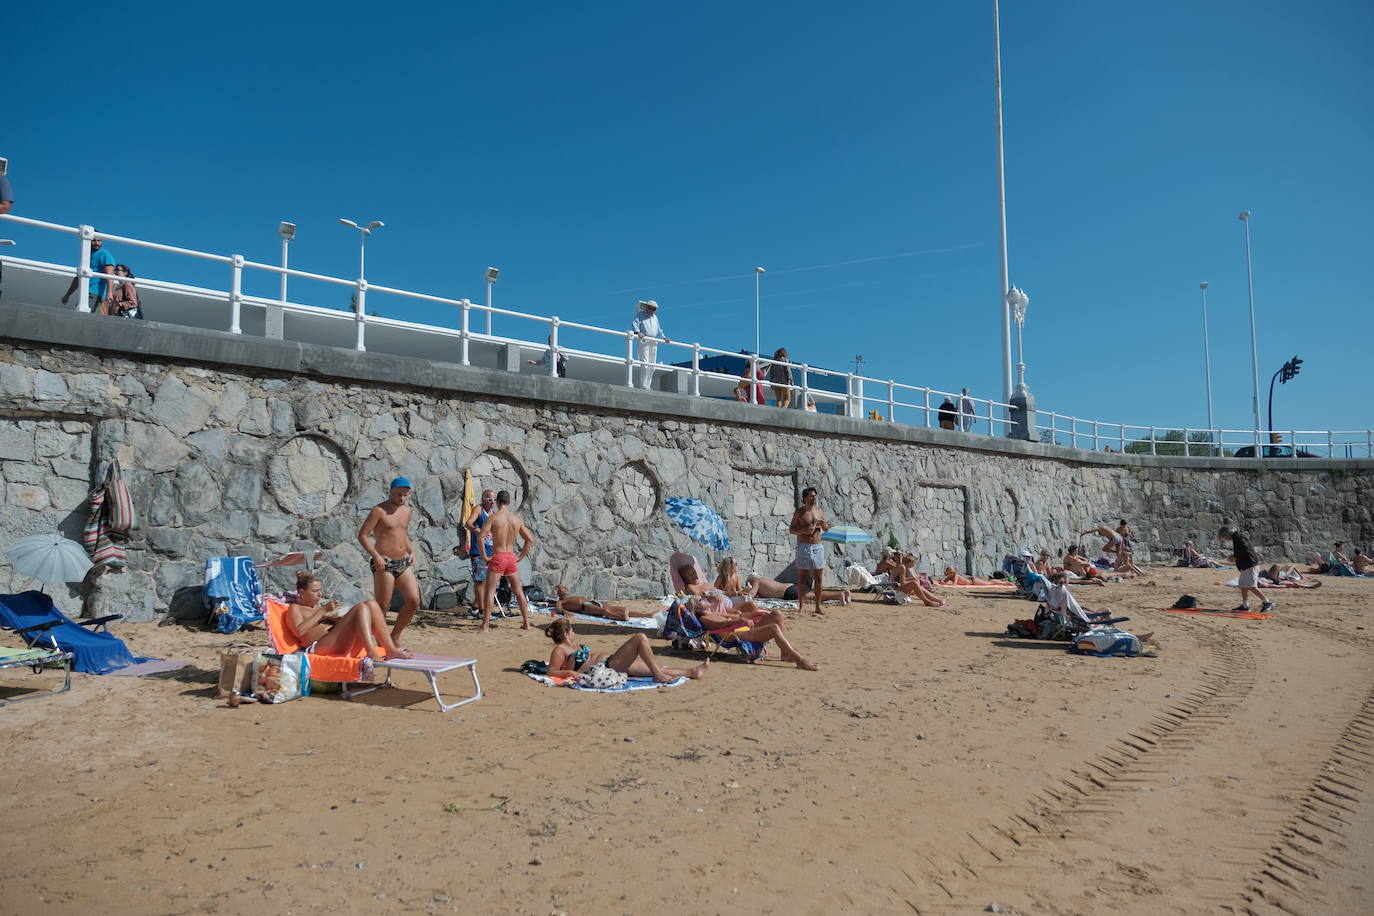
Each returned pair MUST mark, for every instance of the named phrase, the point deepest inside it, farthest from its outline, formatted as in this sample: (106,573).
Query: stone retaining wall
(231,459)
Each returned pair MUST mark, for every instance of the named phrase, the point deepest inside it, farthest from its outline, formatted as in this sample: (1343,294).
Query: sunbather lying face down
(316,625)
(746,621)
(635,657)
(763,587)
(576,604)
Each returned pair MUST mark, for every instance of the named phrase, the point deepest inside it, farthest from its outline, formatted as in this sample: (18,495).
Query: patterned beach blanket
(635,683)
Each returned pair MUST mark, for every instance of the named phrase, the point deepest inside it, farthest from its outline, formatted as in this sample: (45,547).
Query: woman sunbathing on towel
(747,622)
(952,577)
(317,626)
(576,604)
(763,587)
(635,657)
(1286,575)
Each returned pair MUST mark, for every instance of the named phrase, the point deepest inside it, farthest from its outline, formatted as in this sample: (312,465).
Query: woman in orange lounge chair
(952,577)
(315,625)
(635,657)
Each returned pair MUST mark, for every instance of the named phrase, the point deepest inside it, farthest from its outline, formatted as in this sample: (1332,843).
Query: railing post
(1095,444)
(926,409)
(1152,441)
(1053,439)
(83,270)
(553,346)
(360,314)
(696,370)
(1330,444)
(992,421)
(236,295)
(1122,441)
(755,395)
(891,402)
(805,386)
(464,333)
(1187,449)
(630,359)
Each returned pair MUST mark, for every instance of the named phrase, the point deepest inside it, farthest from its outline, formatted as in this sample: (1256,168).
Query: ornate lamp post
(1022,403)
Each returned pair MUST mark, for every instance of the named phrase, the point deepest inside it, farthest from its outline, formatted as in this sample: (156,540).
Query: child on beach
(1247,561)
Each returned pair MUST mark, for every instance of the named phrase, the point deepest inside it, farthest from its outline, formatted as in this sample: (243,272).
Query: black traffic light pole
(1286,373)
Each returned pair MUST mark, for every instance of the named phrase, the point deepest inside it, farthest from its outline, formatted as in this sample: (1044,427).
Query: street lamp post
(1207,360)
(492,274)
(1002,209)
(1287,372)
(276,315)
(758,272)
(360,301)
(1254,337)
(1022,403)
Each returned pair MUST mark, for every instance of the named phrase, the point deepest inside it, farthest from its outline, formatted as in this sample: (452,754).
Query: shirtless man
(764,587)
(1114,540)
(808,524)
(504,528)
(576,604)
(1081,567)
(386,539)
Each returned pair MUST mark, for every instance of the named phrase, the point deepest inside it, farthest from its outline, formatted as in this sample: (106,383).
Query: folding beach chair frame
(38,664)
(431,667)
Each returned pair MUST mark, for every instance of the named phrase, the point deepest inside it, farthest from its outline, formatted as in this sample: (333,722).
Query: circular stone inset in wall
(495,470)
(309,475)
(634,494)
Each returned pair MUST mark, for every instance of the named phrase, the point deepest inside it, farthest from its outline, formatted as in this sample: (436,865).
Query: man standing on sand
(808,524)
(387,526)
(504,528)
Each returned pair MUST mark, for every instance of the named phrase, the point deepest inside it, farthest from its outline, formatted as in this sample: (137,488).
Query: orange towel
(345,667)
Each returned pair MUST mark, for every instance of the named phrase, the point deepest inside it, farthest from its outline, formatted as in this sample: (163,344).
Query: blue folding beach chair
(94,649)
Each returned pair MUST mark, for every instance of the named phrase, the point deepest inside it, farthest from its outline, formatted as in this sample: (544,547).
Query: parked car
(1273,451)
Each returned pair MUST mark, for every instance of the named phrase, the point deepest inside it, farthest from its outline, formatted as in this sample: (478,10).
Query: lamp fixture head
(349,222)
(1244,215)
(375,224)
(287,230)
(492,274)
(760,270)
(1202,285)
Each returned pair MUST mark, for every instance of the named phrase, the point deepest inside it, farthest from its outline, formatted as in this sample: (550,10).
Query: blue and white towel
(634,683)
(233,593)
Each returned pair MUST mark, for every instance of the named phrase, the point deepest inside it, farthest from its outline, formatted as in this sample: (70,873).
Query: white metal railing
(849,393)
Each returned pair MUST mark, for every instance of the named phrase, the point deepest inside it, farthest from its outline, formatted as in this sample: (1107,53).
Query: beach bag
(600,677)
(1185,602)
(236,672)
(279,678)
(95,536)
(1107,641)
(122,517)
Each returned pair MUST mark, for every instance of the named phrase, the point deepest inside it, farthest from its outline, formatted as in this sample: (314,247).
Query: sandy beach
(931,766)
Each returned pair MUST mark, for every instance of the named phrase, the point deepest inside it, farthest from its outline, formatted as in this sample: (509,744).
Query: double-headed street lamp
(364,232)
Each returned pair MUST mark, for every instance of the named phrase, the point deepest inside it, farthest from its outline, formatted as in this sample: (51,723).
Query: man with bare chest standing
(808,524)
(503,528)
(385,536)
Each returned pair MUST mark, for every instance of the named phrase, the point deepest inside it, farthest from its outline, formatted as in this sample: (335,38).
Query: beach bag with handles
(95,536)
(122,517)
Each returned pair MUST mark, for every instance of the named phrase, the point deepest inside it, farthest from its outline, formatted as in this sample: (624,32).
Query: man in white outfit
(646,328)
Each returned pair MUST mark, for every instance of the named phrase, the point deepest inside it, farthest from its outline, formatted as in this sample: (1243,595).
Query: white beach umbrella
(49,558)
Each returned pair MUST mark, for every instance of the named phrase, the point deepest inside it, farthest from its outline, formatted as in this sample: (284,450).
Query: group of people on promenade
(112,290)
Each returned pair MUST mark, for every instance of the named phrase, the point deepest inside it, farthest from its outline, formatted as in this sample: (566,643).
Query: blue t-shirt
(99,260)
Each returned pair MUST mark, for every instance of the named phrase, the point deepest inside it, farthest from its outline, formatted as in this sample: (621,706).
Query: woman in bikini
(911,584)
(635,657)
(727,577)
(952,577)
(576,604)
(748,622)
(326,633)
(1080,566)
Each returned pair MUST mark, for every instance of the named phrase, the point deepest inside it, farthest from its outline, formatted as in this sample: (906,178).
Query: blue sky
(601,153)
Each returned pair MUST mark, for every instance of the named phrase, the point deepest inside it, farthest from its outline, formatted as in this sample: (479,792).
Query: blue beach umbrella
(700,522)
(847,534)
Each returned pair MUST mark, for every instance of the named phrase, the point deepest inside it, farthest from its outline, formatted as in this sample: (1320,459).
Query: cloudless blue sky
(601,153)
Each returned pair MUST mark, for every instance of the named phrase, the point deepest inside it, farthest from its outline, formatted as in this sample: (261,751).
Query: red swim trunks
(503,564)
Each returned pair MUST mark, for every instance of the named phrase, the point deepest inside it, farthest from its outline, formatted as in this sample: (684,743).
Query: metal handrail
(861,392)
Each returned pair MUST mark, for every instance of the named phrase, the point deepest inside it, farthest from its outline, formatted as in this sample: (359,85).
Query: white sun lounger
(431,666)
